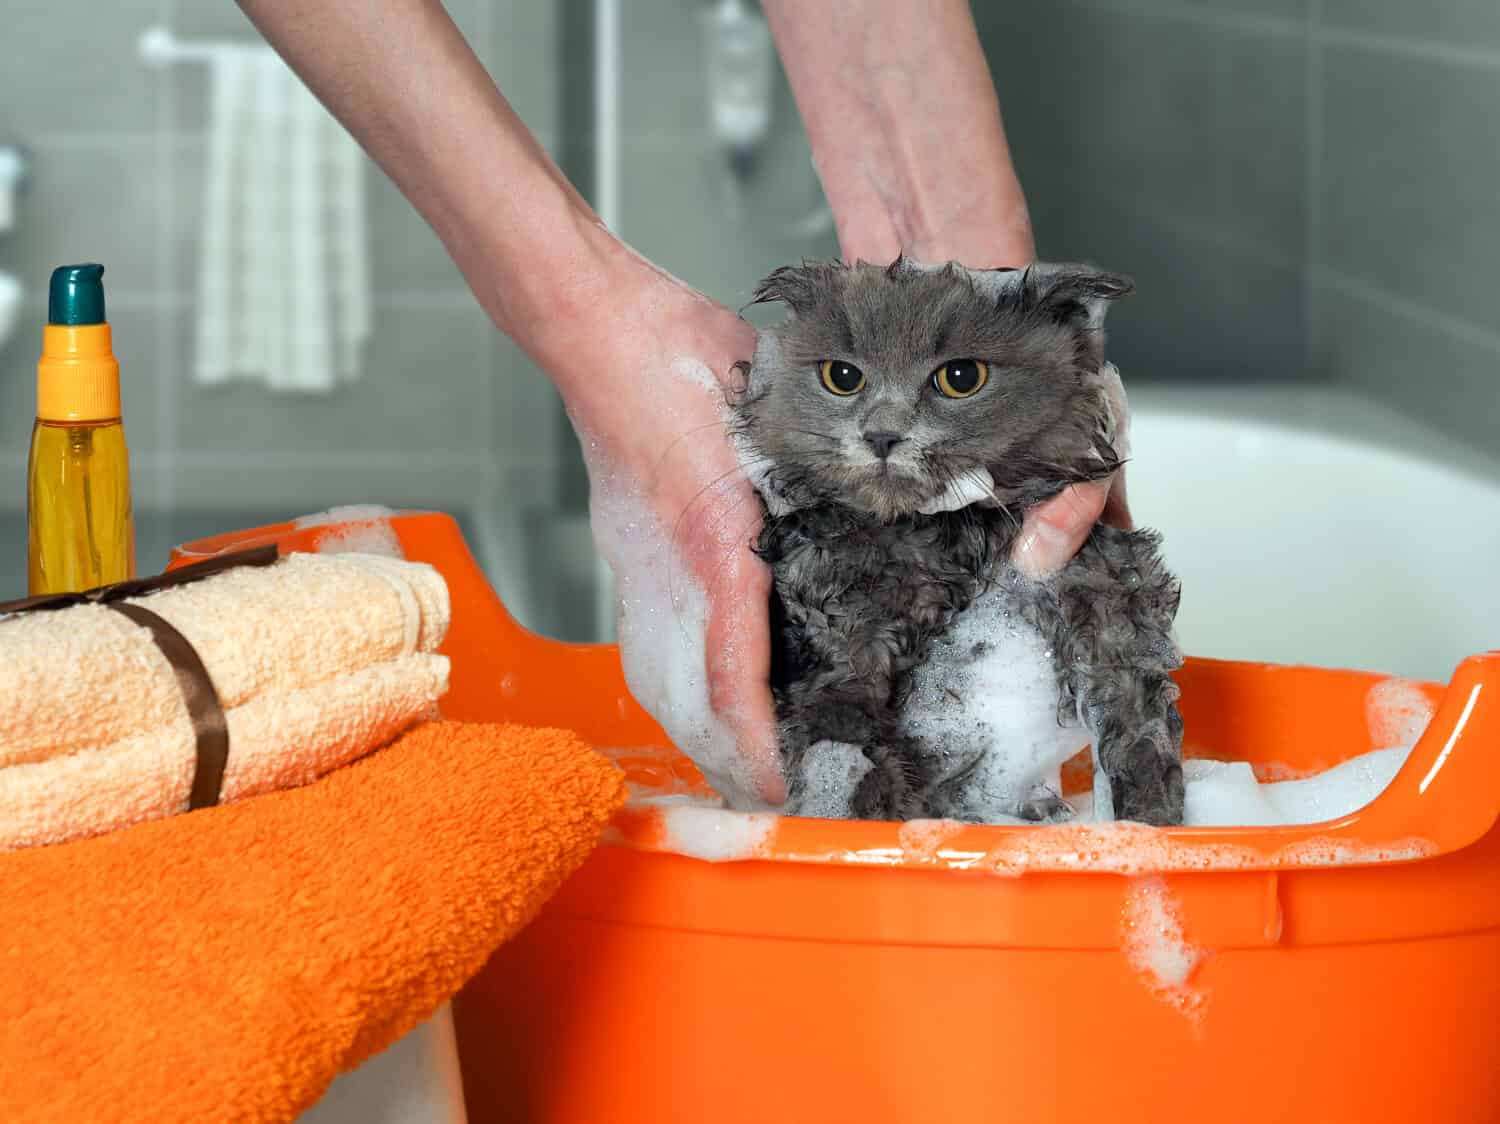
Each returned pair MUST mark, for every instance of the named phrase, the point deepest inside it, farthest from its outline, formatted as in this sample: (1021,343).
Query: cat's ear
(1076,295)
(800,287)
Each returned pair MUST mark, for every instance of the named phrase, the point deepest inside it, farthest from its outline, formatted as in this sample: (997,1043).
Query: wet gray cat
(898,423)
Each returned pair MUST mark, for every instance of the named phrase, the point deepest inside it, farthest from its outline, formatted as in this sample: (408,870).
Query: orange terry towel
(229,963)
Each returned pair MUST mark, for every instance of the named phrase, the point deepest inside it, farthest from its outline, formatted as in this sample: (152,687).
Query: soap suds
(831,772)
(662,607)
(713,834)
(663,627)
(1157,948)
(356,529)
(987,695)
(349,513)
(1227,794)
(1397,711)
(923,839)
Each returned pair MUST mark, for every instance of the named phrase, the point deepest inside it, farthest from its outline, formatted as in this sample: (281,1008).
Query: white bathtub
(1316,527)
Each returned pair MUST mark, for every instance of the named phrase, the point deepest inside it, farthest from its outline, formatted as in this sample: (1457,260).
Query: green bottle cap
(76,295)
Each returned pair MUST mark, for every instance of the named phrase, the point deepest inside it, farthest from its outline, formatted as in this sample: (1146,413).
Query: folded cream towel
(278,739)
(87,676)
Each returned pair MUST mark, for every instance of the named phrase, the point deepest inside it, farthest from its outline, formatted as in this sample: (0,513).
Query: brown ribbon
(210,728)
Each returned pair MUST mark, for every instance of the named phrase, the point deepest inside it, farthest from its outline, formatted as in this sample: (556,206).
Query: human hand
(644,377)
(1053,531)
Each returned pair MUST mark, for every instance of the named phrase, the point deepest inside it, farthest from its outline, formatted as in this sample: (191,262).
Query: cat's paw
(1045,806)
(1151,790)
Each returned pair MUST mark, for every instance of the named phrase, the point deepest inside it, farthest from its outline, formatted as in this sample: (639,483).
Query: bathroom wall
(445,412)
(1304,189)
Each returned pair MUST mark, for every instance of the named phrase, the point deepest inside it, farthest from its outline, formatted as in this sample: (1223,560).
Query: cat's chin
(893,496)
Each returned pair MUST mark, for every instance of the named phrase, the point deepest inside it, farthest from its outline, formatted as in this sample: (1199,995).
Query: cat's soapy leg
(1112,632)
(842,762)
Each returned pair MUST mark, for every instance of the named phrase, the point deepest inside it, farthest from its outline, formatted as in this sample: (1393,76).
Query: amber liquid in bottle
(82,533)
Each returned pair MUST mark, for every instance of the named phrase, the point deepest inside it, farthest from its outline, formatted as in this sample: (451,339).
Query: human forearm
(400,77)
(905,129)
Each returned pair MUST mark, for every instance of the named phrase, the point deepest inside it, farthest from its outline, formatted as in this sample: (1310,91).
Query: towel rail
(159,47)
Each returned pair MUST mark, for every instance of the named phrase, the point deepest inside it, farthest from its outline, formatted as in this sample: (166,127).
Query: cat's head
(911,388)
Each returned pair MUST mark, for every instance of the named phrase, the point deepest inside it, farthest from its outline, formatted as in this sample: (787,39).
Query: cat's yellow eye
(961,378)
(841,378)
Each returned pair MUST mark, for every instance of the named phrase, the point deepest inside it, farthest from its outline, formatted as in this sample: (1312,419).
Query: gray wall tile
(234,485)
(526,412)
(679,208)
(662,78)
(405,255)
(1426,368)
(1469,23)
(1115,97)
(1291,11)
(1201,312)
(69,66)
(1410,163)
(91,201)
(1261,140)
(223,20)
(422,390)
(525,54)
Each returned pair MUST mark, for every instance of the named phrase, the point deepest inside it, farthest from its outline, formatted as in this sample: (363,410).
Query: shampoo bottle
(81,531)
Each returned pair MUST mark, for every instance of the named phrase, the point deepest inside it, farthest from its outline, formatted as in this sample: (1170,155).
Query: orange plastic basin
(842,974)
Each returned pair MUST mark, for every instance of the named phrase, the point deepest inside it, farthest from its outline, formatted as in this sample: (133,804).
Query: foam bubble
(662,607)
(713,834)
(1227,794)
(1397,711)
(1221,793)
(1156,946)
(349,513)
(923,839)
(356,529)
(987,699)
(831,772)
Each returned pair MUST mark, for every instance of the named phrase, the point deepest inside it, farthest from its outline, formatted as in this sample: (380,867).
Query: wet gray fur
(865,582)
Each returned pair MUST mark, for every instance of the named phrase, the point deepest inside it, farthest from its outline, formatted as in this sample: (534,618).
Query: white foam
(662,607)
(349,513)
(1222,793)
(999,708)
(713,834)
(923,839)
(663,623)
(1226,794)
(359,529)
(831,772)
(1156,946)
(365,538)
(1397,711)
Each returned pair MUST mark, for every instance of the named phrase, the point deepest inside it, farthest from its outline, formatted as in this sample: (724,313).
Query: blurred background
(1304,191)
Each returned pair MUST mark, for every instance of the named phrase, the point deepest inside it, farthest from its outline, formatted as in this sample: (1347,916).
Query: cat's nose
(883,442)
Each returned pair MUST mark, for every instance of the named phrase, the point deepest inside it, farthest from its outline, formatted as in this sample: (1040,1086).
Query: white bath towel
(88,676)
(284,287)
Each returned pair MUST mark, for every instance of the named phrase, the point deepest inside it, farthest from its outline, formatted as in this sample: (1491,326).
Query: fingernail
(1040,550)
